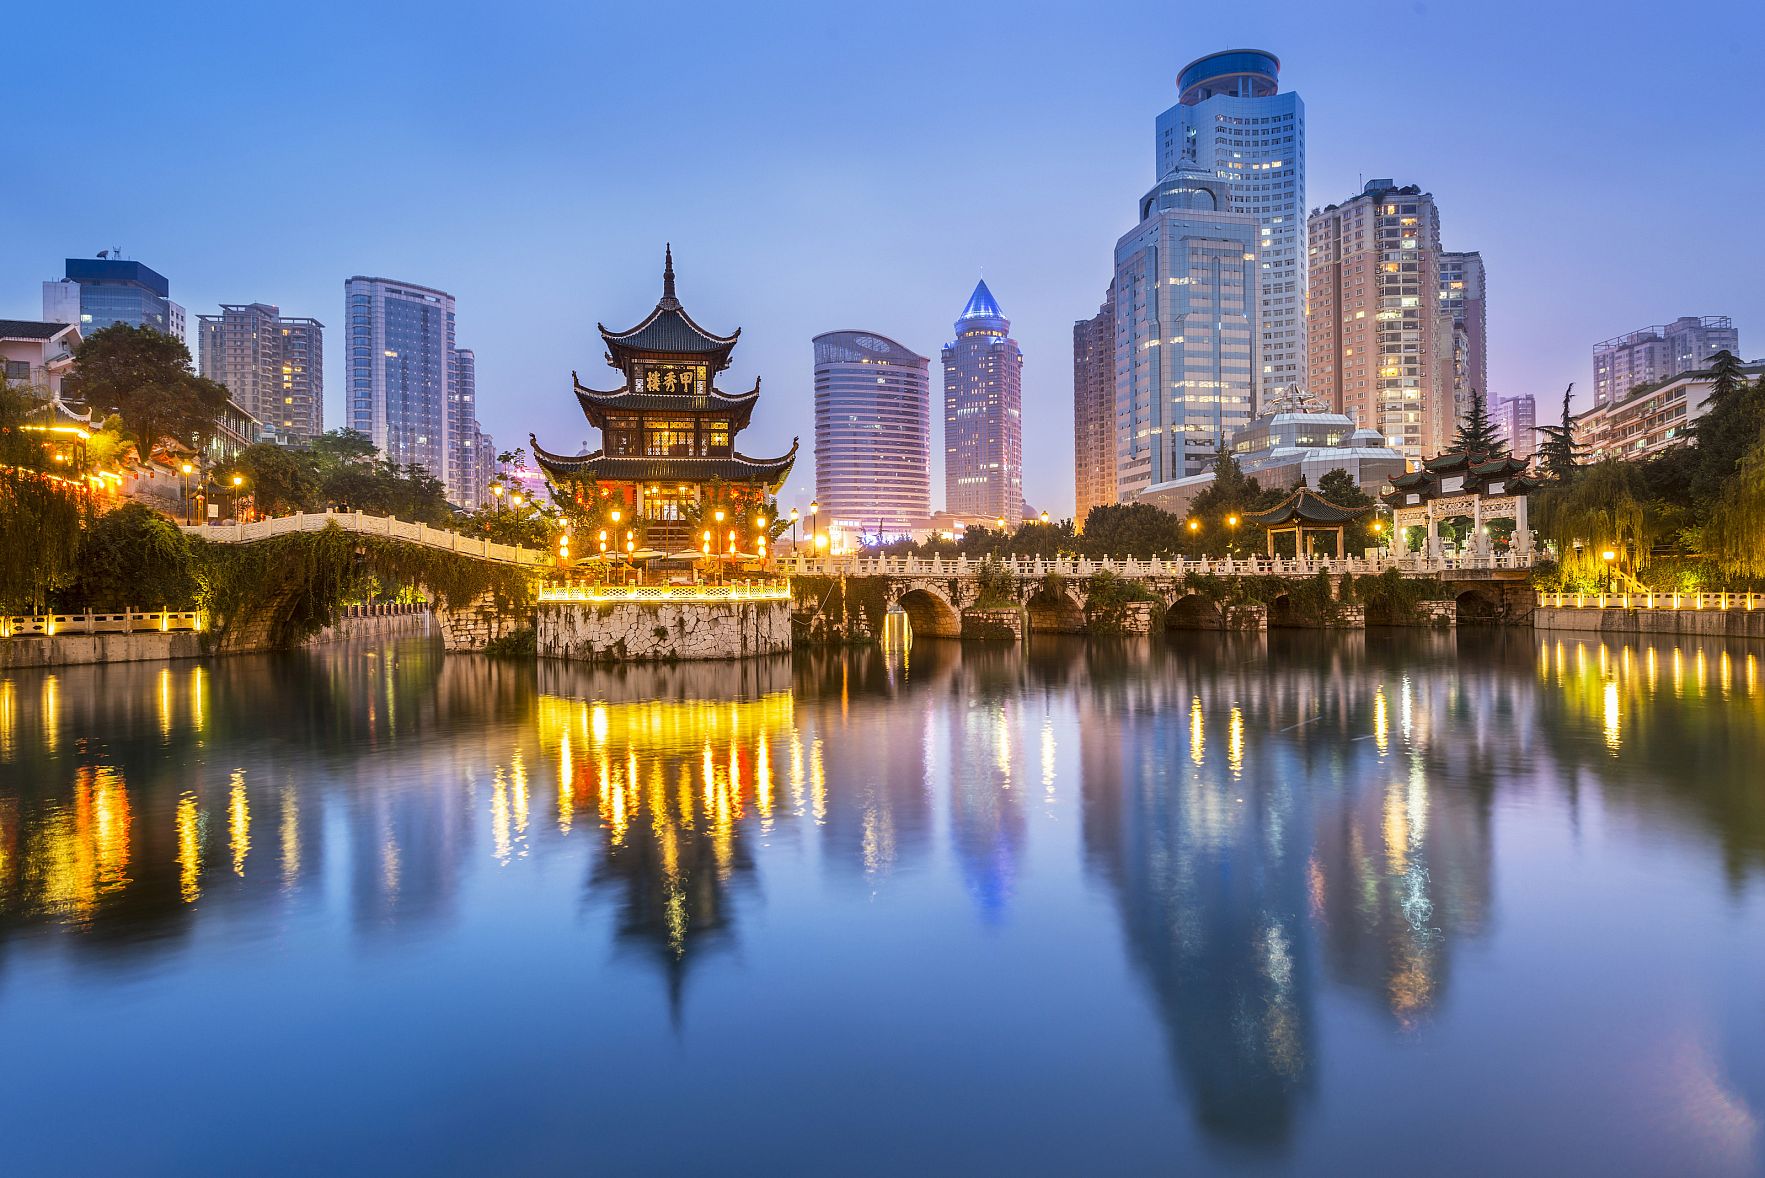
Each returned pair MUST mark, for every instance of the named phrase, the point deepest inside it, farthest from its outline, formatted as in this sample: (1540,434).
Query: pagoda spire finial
(668,274)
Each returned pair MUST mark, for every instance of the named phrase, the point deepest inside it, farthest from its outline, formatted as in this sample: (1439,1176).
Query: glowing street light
(1044,517)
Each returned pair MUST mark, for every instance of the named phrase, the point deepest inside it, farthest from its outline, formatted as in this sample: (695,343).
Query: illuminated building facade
(1652,354)
(1093,410)
(1461,297)
(1516,418)
(668,448)
(97,292)
(872,434)
(271,364)
(1644,421)
(1380,341)
(1186,343)
(983,415)
(1232,118)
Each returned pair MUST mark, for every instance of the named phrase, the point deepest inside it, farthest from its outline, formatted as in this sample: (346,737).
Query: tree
(146,377)
(1131,529)
(1735,535)
(1733,417)
(1477,433)
(134,558)
(1559,455)
(283,480)
(1339,487)
(40,516)
(1229,497)
(1604,508)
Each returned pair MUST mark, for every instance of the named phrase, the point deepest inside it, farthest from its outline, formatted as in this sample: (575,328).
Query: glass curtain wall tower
(983,415)
(872,433)
(1186,344)
(1093,410)
(401,358)
(1232,120)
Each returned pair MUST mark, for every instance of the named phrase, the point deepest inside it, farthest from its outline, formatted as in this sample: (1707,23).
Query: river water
(1492,903)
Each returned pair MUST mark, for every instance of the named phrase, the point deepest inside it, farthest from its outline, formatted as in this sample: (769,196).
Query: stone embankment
(662,631)
(143,646)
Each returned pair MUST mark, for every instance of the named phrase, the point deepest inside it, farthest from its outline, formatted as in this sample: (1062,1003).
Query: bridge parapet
(1136,568)
(371,525)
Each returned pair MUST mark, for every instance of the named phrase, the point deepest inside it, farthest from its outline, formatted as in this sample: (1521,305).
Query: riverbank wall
(149,646)
(1700,623)
(662,631)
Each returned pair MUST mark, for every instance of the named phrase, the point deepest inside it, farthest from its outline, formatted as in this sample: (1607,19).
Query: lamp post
(1232,534)
(497,490)
(815,524)
(1608,556)
(188,471)
(793,531)
(238,482)
(1044,517)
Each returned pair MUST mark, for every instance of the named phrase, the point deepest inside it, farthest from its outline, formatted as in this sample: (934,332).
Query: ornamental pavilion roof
(1306,506)
(596,403)
(598,466)
(668,332)
(1478,471)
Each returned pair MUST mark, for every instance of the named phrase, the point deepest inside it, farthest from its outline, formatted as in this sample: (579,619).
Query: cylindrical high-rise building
(872,434)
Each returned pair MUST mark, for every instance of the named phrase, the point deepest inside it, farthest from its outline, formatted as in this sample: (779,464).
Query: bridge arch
(1192,611)
(1054,610)
(930,613)
(1476,607)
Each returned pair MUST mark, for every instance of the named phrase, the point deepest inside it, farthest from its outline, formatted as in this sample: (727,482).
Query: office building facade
(97,292)
(1093,410)
(1186,341)
(1233,120)
(1653,354)
(872,434)
(1380,341)
(1461,297)
(983,414)
(401,356)
(272,365)
(469,445)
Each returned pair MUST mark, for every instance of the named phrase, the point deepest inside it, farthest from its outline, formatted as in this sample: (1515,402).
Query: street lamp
(793,531)
(1608,556)
(497,490)
(188,471)
(1044,517)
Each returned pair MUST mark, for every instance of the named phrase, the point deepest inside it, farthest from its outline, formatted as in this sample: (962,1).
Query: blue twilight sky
(822,166)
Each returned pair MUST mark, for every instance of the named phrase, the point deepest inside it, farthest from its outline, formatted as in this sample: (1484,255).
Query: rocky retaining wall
(148,646)
(993,625)
(662,631)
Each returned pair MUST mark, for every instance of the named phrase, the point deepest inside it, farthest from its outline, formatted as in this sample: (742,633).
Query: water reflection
(1282,825)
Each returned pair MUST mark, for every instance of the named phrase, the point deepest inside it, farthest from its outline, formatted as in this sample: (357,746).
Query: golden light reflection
(566,783)
(501,843)
(238,822)
(165,702)
(189,827)
(81,853)
(198,688)
(8,720)
(1612,715)
(1197,732)
(1235,741)
(290,833)
(1381,721)
(51,713)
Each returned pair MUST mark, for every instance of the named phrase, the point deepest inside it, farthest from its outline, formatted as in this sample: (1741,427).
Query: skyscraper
(983,414)
(1093,409)
(401,358)
(1461,297)
(1380,341)
(1232,119)
(1651,354)
(469,480)
(1186,344)
(1516,419)
(873,436)
(97,292)
(272,365)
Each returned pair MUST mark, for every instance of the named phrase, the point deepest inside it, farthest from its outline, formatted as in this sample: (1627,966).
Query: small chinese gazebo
(1306,515)
(1477,486)
(668,452)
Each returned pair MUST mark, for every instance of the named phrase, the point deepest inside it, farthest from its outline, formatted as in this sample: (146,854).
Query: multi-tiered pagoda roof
(667,423)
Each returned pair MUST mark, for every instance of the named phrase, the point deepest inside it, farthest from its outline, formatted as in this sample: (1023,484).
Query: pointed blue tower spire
(982,306)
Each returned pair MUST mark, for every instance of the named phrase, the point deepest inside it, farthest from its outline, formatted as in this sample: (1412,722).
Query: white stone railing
(371,525)
(1134,567)
(661,594)
(127,621)
(1648,599)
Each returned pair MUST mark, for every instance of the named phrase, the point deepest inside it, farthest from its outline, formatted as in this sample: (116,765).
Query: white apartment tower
(1233,120)
(399,367)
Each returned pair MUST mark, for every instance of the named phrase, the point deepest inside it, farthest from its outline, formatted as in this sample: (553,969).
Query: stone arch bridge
(1054,594)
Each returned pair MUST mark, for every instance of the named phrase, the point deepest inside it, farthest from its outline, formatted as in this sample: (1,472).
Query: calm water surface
(1365,904)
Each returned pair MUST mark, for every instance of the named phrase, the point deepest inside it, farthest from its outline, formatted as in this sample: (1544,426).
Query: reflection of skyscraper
(986,813)
(983,414)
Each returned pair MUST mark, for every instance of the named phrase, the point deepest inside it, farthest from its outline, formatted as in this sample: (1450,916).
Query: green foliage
(522,644)
(1735,535)
(1732,422)
(40,516)
(1392,599)
(995,584)
(1605,507)
(1110,595)
(341,469)
(1339,487)
(133,558)
(1131,529)
(146,377)
(1477,433)
(284,481)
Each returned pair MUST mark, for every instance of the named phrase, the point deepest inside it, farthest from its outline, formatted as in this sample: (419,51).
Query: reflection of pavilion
(676,786)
